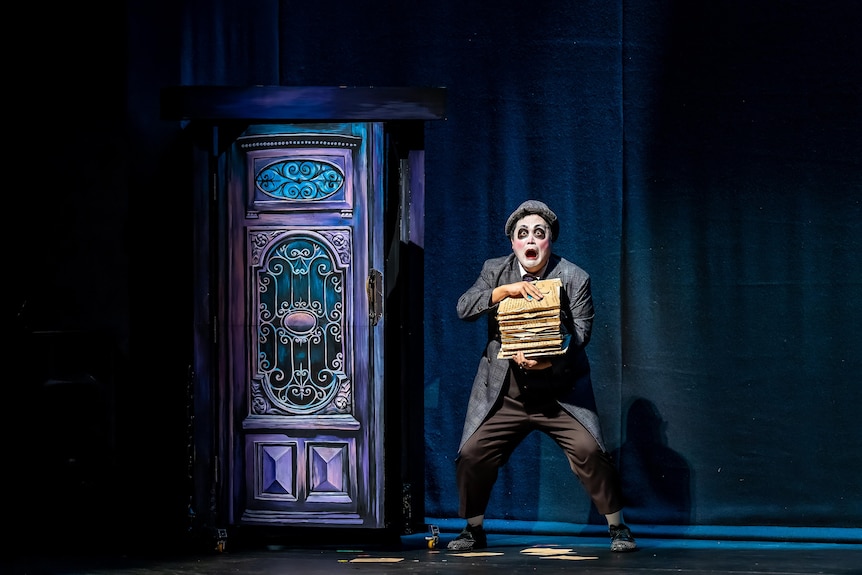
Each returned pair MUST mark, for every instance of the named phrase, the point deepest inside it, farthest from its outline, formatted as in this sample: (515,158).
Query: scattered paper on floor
(476,554)
(565,553)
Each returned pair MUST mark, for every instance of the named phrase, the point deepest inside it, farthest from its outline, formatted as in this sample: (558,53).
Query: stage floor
(510,554)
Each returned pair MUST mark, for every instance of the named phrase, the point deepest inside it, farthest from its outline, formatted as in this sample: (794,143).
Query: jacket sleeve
(579,311)
(476,301)
(577,321)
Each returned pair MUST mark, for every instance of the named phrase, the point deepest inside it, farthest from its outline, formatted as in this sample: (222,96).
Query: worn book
(532,325)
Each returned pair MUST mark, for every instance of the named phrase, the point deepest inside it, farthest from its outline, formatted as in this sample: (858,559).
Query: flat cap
(534,207)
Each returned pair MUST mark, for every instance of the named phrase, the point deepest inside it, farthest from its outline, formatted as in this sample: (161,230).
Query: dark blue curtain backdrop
(705,161)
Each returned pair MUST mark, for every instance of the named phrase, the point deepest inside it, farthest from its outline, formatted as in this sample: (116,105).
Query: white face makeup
(531,242)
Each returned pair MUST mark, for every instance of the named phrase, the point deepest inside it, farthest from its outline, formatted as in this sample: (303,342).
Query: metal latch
(374,290)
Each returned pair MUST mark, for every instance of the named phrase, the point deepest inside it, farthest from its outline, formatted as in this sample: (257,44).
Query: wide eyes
(539,233)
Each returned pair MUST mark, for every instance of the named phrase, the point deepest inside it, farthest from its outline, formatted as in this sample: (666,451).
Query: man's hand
(527,290)
(527,363)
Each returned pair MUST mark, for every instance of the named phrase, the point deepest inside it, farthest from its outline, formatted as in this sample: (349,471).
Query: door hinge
(374,289)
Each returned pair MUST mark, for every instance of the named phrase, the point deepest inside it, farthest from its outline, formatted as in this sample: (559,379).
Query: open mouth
(531,253)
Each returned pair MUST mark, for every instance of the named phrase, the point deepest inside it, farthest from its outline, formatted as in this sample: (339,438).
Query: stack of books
(532,325)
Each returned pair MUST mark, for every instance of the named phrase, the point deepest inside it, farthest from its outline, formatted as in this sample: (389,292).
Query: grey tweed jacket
(570,372)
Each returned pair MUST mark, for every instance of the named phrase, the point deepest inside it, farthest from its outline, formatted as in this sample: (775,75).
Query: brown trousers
(515,417)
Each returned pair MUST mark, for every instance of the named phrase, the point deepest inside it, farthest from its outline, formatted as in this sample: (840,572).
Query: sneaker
(469,539)
(621,538)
